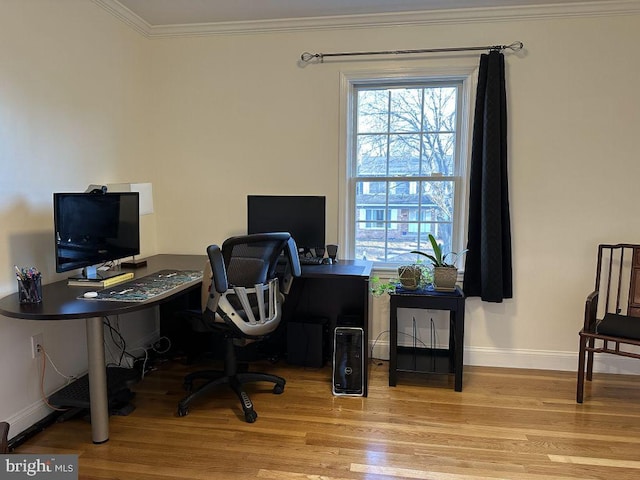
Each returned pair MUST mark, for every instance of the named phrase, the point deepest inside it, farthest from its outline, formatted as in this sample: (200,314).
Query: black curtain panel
(488,270)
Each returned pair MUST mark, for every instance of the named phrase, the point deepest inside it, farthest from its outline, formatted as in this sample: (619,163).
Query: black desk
(60,302)
(337,292)
(428,360)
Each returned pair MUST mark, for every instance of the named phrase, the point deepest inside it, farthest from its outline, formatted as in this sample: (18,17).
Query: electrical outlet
(37,339)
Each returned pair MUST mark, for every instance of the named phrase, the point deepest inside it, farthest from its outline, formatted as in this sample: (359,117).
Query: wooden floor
(506,424)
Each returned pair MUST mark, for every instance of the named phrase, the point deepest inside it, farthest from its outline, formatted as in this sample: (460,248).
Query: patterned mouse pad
(147,287)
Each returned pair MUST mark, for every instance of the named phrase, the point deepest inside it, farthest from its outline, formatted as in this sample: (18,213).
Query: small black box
(307,342)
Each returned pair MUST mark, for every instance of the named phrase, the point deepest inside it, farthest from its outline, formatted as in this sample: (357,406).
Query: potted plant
(378,287)
(410,277)
(445,272)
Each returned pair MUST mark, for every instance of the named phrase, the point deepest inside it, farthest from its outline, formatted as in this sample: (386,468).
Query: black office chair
(244,301)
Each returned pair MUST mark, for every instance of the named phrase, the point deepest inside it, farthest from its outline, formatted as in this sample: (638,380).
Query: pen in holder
(29,285)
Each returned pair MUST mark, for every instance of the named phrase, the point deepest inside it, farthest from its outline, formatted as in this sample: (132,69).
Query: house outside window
(406,161)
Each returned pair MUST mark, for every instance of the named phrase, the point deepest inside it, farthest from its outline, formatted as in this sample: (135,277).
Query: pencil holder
(30,290)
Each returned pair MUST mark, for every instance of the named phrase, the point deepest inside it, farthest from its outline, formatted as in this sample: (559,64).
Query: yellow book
(107,282)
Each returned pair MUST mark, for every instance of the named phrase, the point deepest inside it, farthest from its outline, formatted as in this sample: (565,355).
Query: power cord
(45,357)
(415,339)
(118,340)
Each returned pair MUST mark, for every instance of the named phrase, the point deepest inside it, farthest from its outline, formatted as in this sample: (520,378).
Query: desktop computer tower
(348,361)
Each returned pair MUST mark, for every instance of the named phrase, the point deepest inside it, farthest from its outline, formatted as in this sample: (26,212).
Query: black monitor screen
(302,216)
(93,228)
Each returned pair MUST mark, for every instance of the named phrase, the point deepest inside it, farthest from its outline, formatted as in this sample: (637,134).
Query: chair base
(235,381)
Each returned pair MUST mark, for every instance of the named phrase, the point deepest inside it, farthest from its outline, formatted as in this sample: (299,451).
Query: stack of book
(99,282)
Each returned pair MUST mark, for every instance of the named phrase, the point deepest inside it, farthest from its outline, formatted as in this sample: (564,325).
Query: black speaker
(307,342)
(348,361)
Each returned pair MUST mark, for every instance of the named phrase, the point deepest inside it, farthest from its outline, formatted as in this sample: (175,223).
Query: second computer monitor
(303,216)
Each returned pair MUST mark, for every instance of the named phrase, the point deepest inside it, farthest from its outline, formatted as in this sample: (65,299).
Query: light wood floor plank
(607,462)
(506,424)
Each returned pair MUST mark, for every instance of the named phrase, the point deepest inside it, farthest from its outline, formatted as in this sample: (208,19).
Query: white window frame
(466,73)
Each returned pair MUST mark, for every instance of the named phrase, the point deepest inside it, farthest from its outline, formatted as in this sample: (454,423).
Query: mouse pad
(149,286)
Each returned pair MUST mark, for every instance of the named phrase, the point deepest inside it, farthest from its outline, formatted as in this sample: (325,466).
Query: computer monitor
(303,216)
(95,228)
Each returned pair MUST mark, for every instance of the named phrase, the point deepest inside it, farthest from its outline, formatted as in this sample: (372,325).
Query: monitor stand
(95,275)
(134,263)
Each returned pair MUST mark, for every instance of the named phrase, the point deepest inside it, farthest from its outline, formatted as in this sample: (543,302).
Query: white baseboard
(531,359)
(26,418)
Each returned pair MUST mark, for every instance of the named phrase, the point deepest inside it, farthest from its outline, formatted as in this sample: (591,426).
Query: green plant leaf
(437,249)
(433,259)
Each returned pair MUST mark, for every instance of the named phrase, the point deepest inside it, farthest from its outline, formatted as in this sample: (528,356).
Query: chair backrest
(618,279)
(246,291)
(251,259)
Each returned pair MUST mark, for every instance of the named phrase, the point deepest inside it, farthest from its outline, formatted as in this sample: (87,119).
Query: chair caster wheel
(182,411)
(250,416)
(278,389)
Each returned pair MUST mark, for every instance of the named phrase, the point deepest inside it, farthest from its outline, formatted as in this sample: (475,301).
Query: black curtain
(488,271)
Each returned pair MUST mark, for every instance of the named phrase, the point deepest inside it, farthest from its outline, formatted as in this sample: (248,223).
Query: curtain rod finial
(516,46)
(307,57)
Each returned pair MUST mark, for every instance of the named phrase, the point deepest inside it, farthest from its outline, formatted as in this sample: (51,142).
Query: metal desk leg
(99,401)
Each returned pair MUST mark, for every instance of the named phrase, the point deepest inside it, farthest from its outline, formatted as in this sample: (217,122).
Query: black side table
(428,360)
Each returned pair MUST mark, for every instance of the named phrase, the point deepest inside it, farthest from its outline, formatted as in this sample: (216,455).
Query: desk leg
(393,343)
(99,402)
(458,320)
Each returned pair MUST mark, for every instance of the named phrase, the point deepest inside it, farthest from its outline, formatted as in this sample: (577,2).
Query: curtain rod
(309,57)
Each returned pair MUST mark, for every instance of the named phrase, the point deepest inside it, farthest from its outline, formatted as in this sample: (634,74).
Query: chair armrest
(292,268)
(590,311)
(218,270)
(292,256)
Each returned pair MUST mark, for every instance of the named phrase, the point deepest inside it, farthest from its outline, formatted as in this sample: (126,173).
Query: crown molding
(122,13)
(427,17)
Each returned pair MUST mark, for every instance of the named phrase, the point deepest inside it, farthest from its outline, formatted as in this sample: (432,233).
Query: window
(405,166)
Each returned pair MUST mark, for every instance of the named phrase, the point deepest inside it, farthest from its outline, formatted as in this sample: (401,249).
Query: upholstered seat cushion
(619,326)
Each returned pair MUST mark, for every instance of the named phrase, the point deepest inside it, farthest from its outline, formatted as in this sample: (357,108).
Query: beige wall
(239,116)
(209,119)
(73,96)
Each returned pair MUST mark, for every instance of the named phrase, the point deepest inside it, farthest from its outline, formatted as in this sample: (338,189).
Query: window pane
(438,154)
(406,110)
(373,111)
(371,195)
(438,197)
(440,109)
(370,243)
(372,155)
(401,241)
(404,155)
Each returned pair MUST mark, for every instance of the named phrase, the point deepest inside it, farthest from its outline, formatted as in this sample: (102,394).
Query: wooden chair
(4,434)
(612,310)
